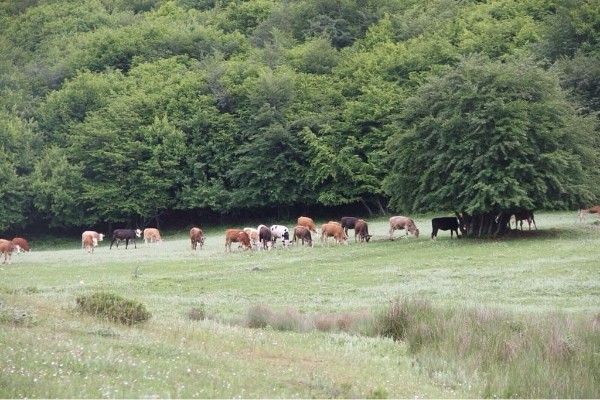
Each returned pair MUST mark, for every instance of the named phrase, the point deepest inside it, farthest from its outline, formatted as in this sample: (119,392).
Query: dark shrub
(113,308)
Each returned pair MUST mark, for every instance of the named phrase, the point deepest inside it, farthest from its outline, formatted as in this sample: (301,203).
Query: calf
(280,231)
(98,237)
(21,244)
(585,211)
(253,235)
(361,228)
(196,237)
(400,222)
(6,248)
(89,242)
(524,215)
(335,230)
(444,224)
(307,223)
(302,233)
(237,236)
(349,223)
(152,235)
(126,235)
(265,237)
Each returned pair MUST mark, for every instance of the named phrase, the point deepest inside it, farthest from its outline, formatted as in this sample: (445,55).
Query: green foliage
(113,307)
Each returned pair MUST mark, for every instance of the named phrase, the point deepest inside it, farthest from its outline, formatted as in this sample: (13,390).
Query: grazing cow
(280,232)
(237,236)
(89,242)
(349,223)
(265,237)
(98,237)
(307,223)
(523,215)
(152,235)
(21,244)
(6,247)
(126,235)
(400,222)
(585,211)
(361,228)
(302,233)
(335,230)
(196,237)
(253,235)
(444,224)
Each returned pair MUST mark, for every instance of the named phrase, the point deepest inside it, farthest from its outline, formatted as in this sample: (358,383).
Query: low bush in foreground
(113,308)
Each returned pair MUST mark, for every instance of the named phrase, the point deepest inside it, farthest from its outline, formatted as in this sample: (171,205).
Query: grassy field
(50,350)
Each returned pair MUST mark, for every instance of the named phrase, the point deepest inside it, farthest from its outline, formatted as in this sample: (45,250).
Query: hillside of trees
(118,111)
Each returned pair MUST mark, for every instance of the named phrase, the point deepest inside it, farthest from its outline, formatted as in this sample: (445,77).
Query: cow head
(368,237)
(138,233)
(100,237)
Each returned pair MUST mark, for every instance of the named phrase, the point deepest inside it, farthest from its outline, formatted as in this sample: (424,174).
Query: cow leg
(111,243)
(434,233)
(391,233)
(134,243)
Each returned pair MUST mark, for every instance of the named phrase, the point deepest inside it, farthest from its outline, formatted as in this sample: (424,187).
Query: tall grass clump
(113,308)
(507,355)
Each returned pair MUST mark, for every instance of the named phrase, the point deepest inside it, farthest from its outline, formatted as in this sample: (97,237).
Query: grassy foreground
(47,349)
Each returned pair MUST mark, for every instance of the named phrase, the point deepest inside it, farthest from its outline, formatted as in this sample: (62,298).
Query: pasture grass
(530,277)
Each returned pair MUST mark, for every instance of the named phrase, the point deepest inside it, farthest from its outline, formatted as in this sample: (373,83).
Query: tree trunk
(364,203)
(381,208)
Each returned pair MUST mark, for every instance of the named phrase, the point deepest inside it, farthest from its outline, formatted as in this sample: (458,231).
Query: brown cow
(585,211)
(237,236)
(21,244)
(523,215)
(253,235)
(400,222)
(334,229)
(361,228)
(89,242)
(265,236)
(98,237)
(152,235)
(196,237)
(307,223)
(302,233)
(6,247)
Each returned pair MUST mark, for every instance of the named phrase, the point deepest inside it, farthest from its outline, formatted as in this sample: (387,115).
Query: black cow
(444,224)
(523,215)
(348,223)
(126,235)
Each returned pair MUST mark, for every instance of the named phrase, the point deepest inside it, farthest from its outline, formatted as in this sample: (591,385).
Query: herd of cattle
(265,238)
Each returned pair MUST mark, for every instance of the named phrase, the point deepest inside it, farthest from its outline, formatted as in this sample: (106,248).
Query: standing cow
(21,244)
(152,235)
(197,238)
(302,233)
(126,235)
(265,237)
(445,224)
(281,232)
(253,235)
(361,229)
(349,223)
(585,211)
(89,242)
(307,223)
(401,222)
(237,236)
(523,215)
(6,248)
(97,237)
(335,230)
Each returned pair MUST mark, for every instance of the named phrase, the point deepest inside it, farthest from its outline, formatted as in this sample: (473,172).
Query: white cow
(282,232)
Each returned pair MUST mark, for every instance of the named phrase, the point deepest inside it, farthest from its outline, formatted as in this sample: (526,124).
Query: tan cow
(307,223)
(400,222)
(253,235)
(98,237)
(236,236)
(196,237)
(335,230)
(585,211)
(7,247)
(152,235)
(21,244)
(302,233)
(89,242)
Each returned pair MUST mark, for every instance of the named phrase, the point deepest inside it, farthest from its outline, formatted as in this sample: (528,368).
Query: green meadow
(527,281)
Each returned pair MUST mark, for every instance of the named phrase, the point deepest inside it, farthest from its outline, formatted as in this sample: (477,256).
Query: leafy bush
(113,308)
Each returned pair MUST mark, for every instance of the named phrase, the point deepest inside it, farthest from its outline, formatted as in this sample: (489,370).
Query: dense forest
(119,111)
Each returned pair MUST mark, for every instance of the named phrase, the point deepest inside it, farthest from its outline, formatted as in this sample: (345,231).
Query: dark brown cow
(302,233)
(524,215)
(335,230)
(307,223)
(265,236)
(6,247)
(348,223)
(361,229)
(196,237)
(21,244)
(236,236)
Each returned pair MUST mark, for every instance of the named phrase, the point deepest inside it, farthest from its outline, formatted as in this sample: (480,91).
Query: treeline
(117,110)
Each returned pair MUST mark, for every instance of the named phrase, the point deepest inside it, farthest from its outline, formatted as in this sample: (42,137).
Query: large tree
(486,138)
